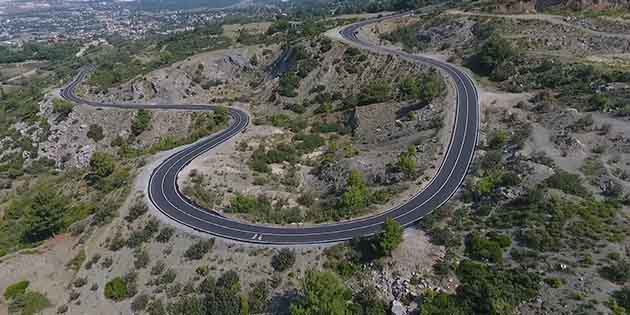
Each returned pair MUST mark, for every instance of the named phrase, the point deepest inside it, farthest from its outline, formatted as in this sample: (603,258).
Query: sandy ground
(43,267)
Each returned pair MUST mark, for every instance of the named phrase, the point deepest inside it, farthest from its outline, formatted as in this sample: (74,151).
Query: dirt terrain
(562,136)
(381,133)
(548,134)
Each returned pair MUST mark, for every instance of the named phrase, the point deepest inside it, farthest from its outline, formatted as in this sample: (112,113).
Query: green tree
(391,237)
(322,293)
(407,162)
(599,102)
(44,218)
(494,291)
(622,297)
(440,304)
(102,164)
(258,297)
(493,53)
(357,193)
(224,297)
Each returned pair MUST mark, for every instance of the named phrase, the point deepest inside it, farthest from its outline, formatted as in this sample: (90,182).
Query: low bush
(199,249)
(283,260)
(62,107)
(95,132)
(29,303)
(489,248)
(165,234)
(15,290)
(141,122)
(618,272)
(116,289)
(568,183)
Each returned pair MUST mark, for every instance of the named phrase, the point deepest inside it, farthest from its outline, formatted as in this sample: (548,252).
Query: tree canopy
(322,293)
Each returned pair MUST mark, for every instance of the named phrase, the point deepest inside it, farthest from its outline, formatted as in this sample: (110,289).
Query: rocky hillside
(512,6)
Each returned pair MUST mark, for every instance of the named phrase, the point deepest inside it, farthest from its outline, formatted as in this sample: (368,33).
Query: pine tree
(44,218)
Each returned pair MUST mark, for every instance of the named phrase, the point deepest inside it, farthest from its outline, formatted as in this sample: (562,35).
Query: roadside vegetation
(21,300)
(119,64)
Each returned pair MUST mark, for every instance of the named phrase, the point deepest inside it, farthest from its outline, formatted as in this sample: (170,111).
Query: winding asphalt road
(167,198)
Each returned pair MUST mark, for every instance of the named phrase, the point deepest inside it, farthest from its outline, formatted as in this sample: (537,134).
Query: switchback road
(168,199)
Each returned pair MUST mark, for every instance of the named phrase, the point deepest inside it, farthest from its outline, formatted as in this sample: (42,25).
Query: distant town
(89,21)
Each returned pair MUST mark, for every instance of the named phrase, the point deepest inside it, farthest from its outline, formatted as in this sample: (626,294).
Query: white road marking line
(453,72)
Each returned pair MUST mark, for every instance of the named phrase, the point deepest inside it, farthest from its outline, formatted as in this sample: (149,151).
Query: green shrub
(407,162)
(554,282)
(167,277)
(322,293)
(44,215)
(16,289)
(116,289)
(375,92)
(258,297)
(139,303)
(618,272)
(599,102)
(327,128)
(102,164)
(494,291)
(141,259)
(356,195)
(77,261)
(497,139)
(62,107)
(199,249)
(567,182)
(29,303)
(308,143)
(243,204)
(408,36)
(489,248)
(622,297)
(138,238)
(95,132)
(492,54)
(165,234)
(283,260)
(289,82)
(425,88)
(141,122)
(225,296)
(390,238)
(136,210)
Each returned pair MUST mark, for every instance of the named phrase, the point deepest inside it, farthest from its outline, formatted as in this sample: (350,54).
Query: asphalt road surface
(167,198)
